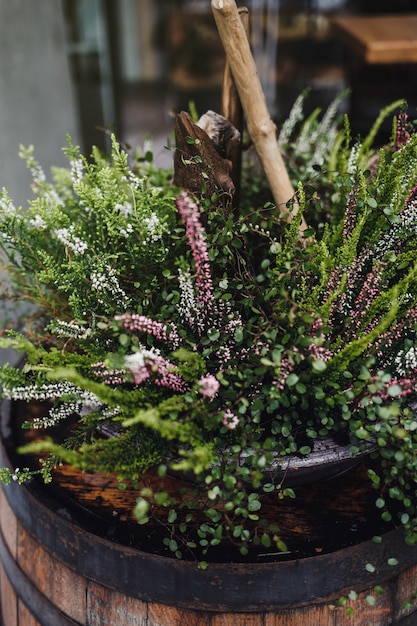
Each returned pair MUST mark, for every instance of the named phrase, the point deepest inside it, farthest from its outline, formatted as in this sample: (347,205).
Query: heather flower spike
(190,215)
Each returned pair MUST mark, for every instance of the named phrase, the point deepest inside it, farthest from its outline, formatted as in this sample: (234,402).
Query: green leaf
(254,505)
(124,339)
(289,492)
(394,391)
(405,518)
(161,498)
(361,433)
(292,379)
(173,546)
(141,510)
(319,365)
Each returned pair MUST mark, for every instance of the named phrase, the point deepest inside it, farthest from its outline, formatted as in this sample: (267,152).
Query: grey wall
(36,100)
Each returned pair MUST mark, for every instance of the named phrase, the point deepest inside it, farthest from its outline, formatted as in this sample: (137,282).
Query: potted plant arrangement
(198,352)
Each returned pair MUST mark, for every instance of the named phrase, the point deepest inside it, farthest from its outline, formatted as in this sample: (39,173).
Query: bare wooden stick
(261,128)
(231,105)
(232,111)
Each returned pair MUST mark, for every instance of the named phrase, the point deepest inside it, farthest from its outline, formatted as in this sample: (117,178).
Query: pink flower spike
(411,198)
(403,136)
(136,323)
(230,420)
(208,386)
(146,364)
(190,215)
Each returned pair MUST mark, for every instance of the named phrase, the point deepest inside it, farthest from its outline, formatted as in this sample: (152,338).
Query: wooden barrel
(55,571)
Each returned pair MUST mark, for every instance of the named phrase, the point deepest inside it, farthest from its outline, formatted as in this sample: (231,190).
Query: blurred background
(86,66)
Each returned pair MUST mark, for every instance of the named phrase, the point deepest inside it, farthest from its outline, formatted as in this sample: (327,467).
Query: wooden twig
(261,128)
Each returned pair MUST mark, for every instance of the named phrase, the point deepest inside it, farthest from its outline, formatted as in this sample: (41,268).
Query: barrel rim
(243,587)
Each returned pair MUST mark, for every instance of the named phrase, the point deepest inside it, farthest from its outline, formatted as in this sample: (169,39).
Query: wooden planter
(55,571)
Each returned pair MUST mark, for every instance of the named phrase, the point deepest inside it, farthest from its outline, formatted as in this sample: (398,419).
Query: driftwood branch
(261,128)
(197,163)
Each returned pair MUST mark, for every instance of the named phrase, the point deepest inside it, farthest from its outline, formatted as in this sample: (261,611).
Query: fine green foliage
(92,240)
(214,340)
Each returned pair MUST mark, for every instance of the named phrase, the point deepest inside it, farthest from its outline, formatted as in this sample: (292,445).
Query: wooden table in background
(381,59)
(380,39)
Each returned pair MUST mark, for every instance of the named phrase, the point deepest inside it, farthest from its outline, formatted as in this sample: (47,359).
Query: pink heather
(320,353)
(385,341)
(142,324)
(162,371)
(333,283)
(403,135)
(286,367)
(140,374)
(224,356)
(343,304)
(190,215)
(407,386)
(230,420)
(412,197)
(317,324)
(350,215)
(370,291)
(208,386)
(109,377)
